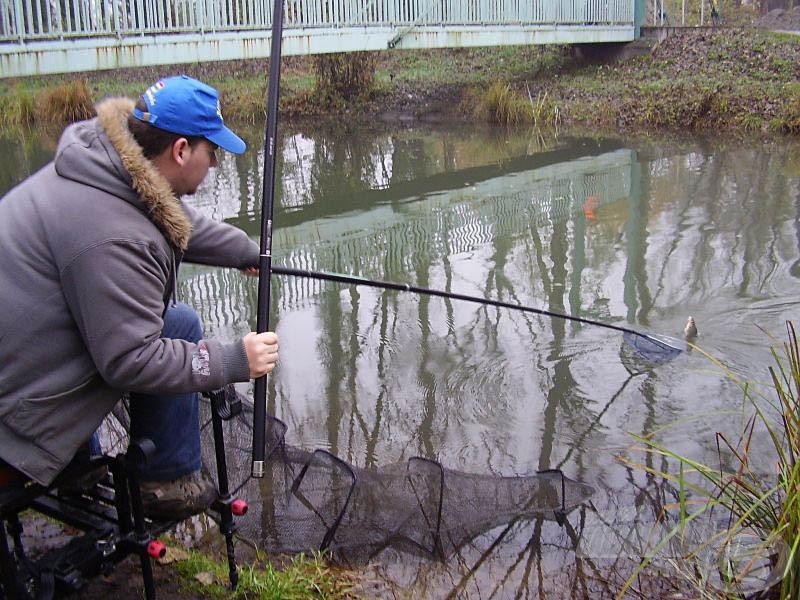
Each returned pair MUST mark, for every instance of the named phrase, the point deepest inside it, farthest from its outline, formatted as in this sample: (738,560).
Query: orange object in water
(589,208)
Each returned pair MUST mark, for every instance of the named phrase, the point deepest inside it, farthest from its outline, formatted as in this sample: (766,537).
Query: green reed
(764,506)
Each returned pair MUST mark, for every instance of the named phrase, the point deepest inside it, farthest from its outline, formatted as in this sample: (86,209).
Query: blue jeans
(171,422)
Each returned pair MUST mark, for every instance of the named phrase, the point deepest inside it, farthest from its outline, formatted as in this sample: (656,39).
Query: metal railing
(35,20)
(684,13)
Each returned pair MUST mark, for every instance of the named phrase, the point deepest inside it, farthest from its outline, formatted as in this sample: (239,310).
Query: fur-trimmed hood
(102,152)
(91,245)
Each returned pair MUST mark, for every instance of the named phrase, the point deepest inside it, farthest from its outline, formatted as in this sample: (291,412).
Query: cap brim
(227,140)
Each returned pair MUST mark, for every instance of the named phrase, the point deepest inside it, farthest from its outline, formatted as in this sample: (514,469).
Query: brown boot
(178,499)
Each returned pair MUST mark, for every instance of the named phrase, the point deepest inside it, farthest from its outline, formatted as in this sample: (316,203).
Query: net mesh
(651,349)
(315,501)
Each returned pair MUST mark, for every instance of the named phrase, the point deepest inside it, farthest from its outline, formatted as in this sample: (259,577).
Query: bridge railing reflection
(380,241)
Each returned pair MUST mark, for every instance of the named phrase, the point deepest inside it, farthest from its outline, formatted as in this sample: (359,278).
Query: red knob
(238,507)
(156,549)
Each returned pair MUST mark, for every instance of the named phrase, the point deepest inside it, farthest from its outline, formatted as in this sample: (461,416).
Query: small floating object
(690,331)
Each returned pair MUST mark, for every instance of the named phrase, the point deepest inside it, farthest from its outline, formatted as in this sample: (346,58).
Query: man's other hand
(262,352)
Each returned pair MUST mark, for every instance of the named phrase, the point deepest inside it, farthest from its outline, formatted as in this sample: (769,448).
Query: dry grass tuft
(68,102)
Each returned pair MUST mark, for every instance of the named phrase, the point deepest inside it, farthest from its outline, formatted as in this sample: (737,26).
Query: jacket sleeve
(115,292)
(219,244)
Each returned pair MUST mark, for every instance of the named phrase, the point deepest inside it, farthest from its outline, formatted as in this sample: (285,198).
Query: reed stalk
(759,550)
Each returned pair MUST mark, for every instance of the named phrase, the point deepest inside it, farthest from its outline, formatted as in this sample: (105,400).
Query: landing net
(315,501)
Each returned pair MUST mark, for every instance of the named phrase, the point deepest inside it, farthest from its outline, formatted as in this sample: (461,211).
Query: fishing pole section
(265,256)
(662,344)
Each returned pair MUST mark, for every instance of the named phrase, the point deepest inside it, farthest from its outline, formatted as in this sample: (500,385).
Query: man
(89,253)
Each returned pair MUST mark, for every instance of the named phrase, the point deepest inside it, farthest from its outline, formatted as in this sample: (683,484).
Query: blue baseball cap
(186,106)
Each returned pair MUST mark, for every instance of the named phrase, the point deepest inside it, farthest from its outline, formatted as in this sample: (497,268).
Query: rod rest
(226,402)
(109,515)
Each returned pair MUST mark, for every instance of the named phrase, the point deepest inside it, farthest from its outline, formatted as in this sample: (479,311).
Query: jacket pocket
(46,418)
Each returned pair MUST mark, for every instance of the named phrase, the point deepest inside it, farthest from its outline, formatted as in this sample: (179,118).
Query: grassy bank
(301,578)
(744,79)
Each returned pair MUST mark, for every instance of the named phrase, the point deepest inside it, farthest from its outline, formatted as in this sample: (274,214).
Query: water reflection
(639,234)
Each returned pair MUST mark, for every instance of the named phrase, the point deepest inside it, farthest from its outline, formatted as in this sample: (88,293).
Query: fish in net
(316,501)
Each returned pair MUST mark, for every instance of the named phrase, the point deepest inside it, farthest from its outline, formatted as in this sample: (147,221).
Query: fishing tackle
(662,341)
(265,258)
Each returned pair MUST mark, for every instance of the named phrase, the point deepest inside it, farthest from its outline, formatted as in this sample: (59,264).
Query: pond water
(635,233)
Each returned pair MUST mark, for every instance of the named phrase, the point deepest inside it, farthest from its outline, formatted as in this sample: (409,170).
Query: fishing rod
(265,257)
(672,344)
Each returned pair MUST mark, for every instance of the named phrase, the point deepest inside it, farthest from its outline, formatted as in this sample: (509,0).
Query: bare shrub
(342,77)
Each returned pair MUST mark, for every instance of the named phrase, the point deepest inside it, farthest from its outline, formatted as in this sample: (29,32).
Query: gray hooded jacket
(89,249)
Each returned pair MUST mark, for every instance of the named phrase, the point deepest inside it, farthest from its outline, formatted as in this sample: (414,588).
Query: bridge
(39,37)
